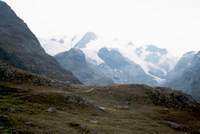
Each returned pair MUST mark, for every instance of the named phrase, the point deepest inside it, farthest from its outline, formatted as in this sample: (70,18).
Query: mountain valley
(86,84)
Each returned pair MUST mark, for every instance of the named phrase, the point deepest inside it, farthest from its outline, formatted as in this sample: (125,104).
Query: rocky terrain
(20,48)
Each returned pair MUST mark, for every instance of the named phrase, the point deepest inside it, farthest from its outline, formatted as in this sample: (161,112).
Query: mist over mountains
(98,61)
(121,61)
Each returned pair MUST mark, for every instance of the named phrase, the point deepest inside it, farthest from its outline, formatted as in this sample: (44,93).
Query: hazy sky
(173,24)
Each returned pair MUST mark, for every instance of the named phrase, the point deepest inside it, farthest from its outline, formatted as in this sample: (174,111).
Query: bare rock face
(20,47)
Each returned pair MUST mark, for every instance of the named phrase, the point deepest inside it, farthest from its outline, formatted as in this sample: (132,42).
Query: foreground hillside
(118,109)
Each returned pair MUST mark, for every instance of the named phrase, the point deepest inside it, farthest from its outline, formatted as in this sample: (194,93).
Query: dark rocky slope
(20,47)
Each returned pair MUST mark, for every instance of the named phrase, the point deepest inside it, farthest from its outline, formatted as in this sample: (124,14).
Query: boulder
(52,110)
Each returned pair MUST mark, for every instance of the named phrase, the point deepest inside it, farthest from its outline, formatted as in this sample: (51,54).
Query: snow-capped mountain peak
(59,44)
(155,62)
(85,39)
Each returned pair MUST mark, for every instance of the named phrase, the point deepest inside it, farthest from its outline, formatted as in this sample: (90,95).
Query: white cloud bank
(173,24)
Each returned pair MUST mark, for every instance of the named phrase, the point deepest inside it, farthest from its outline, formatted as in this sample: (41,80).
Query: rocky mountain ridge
(20,48)
(154,62)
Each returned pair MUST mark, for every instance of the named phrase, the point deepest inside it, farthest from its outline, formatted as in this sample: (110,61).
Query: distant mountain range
(90,59)
(98,61)
(120,61)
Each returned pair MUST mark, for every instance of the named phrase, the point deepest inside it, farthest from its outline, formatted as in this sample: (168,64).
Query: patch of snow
(92,55)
